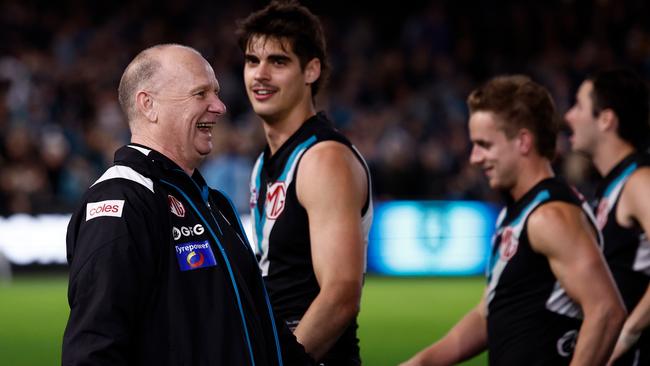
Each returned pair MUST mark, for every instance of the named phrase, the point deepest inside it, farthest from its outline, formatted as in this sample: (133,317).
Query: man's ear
(146,105)
(312,71)
(525,140)
(607,120)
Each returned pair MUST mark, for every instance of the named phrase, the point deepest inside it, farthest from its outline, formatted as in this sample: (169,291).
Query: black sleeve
(111,269)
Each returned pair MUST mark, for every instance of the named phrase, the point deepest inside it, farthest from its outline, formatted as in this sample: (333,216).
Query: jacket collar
(152,163)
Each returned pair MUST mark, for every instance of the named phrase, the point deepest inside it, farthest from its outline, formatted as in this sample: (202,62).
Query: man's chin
(266,114)
(201,155)
(581,151)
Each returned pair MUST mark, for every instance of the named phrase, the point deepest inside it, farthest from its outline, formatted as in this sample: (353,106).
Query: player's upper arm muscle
(557,226)
(332,187)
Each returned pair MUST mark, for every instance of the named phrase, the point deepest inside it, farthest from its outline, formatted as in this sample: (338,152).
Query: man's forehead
(262,42)
(187,74)
(486,124)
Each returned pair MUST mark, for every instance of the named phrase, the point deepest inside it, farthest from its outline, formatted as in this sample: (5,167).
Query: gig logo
(187,231)
(104,208)
(176,206)
(276,195)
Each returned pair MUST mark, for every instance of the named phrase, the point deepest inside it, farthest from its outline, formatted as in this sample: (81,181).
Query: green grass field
(398,317)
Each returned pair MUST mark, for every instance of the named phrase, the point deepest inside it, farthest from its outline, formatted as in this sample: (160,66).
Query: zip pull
(205,193)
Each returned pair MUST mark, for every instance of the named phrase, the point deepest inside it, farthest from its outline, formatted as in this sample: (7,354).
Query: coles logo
(509,244)
(104,208)
(602,212)
(276,195)
(187,231)
(176,206)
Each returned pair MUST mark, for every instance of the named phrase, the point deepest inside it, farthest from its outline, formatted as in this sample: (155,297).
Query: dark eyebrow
(481,143)
(281,58)
(249,57)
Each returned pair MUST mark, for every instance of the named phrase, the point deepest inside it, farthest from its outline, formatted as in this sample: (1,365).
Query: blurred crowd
(398,87)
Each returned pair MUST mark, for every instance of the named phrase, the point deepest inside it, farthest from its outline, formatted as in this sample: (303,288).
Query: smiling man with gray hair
(160,269)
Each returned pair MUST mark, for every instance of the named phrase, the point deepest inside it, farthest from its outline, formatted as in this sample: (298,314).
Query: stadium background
(400,77)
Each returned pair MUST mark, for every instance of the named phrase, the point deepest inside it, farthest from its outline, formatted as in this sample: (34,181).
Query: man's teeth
(264,92)
(204,124)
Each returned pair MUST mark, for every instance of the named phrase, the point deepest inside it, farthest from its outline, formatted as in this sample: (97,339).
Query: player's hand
(625,341)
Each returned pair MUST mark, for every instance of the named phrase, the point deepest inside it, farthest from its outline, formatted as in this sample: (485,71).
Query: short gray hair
(141,70)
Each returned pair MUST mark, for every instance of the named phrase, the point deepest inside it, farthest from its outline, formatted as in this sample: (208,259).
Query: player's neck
(609,153)
(529,175)
(278,130)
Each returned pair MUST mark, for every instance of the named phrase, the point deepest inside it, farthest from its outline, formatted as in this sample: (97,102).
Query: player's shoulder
(635,197)
(552,218)
(552,224)
(330,163)
(553,211)
(330,153)
(640,178)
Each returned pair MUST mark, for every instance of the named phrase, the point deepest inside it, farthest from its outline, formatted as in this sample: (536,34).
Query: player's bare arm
(562,233)
(465,340)
(634,209)
(332,187)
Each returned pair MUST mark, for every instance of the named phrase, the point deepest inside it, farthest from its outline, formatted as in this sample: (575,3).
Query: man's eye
(200,94)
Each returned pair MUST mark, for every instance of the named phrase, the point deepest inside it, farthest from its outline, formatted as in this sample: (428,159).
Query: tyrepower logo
(104,208)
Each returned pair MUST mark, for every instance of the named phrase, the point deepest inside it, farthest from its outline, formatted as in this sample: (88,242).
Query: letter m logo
(275,197)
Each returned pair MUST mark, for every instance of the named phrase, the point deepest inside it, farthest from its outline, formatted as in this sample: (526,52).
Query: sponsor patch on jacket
(175,206)
(104,208)
(194,255)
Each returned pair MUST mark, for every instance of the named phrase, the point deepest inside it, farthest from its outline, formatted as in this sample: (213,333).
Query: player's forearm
(327,317)
(635,324)
(598,334)
(639,318)
(466,339)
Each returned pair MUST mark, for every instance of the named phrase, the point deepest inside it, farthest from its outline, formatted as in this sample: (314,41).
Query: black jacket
(161,274)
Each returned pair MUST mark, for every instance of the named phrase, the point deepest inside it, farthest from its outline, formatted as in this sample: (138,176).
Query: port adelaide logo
(509,243)
(176,206)
(276,195)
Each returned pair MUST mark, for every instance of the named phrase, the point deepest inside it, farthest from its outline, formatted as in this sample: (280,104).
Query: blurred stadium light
(38,239)
(421,238)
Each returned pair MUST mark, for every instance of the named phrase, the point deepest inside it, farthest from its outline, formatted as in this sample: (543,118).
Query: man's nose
(216,105)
